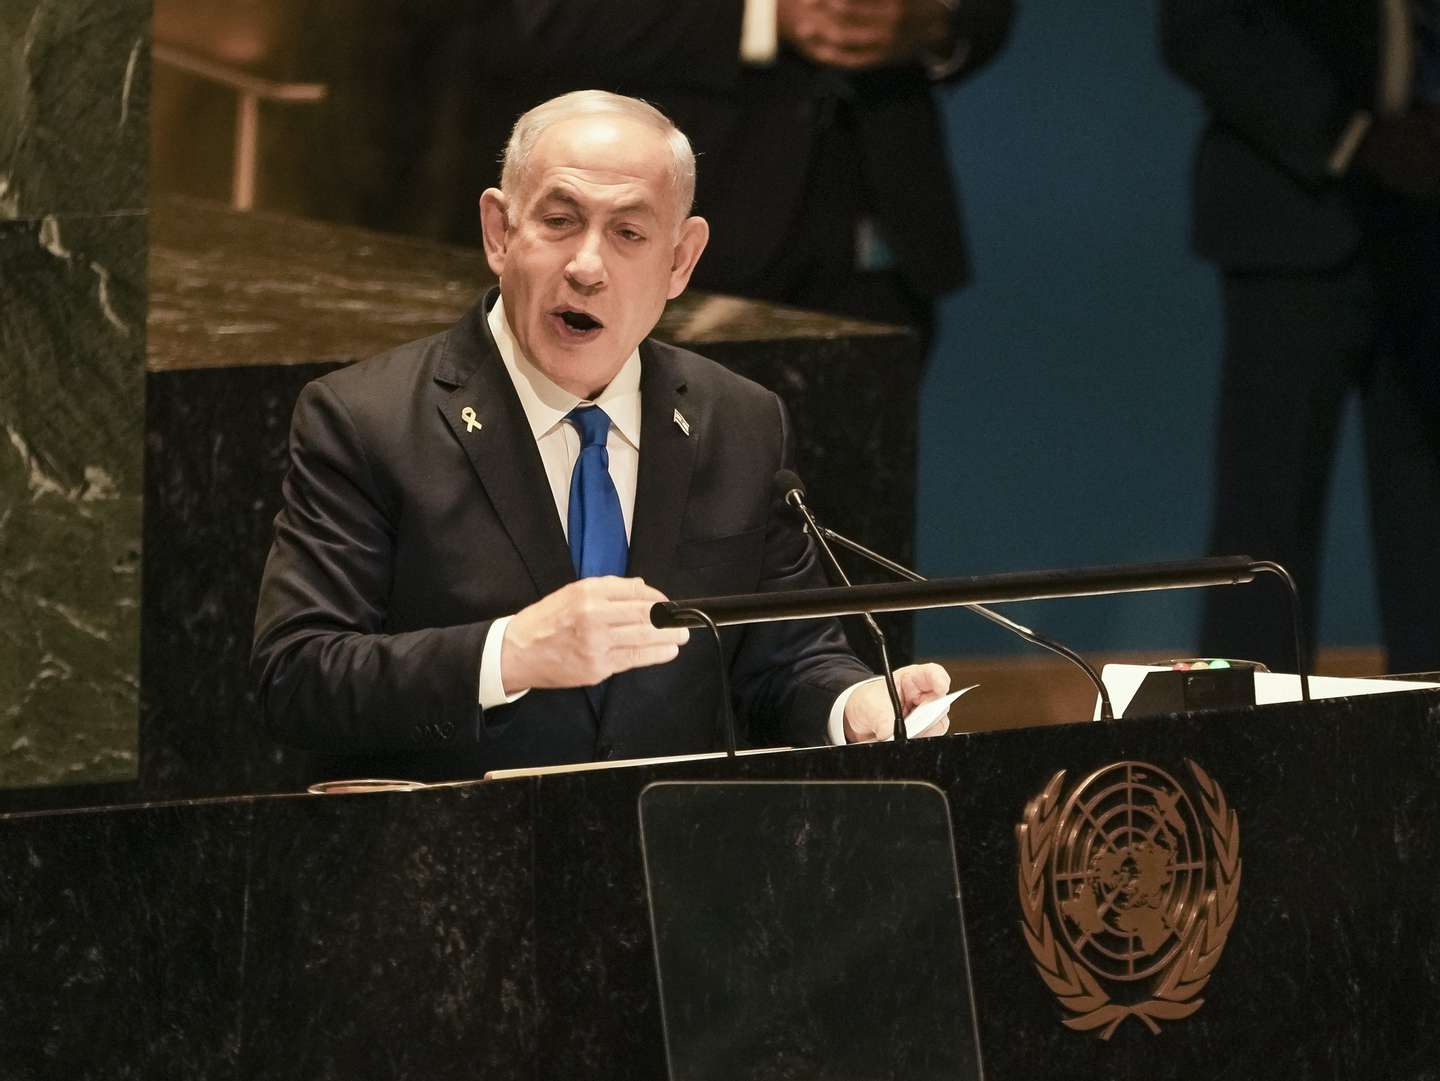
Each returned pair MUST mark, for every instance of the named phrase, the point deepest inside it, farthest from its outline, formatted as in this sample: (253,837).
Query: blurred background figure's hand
(866,33)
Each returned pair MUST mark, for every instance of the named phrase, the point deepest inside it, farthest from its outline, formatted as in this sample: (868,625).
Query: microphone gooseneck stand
(1269,566)
(990,589)
(1107,712)
(727,709)
(795,497)
(793,491)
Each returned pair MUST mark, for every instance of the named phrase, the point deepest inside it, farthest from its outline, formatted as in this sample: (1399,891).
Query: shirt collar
(546,404)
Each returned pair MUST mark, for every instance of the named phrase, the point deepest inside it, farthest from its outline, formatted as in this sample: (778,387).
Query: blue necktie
(597,528)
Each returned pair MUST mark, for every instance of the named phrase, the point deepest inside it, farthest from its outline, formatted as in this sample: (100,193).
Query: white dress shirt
(546,406)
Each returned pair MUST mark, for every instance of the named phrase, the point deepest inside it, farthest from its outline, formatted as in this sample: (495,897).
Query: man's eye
(631,234)
(556,221)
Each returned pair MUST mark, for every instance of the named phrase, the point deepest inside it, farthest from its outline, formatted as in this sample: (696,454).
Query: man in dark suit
(1317,193)
(444,595)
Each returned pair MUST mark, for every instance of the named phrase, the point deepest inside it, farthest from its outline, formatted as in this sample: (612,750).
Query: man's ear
(694,235)
(495,227)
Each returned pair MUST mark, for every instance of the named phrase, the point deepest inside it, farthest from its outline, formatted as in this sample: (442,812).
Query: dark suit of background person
(1315,194)
(405,533)
(793,155)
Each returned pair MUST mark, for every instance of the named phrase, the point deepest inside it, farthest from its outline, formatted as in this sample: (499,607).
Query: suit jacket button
(604,751)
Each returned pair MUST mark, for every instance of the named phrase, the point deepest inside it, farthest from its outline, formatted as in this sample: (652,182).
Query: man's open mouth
(579,322)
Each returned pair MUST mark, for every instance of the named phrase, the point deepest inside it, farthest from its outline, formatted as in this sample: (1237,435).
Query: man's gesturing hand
(868,714)
(583,633)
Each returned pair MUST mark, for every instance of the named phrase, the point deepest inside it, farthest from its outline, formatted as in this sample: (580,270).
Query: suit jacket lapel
(662,489)
(485,414)
(667,458)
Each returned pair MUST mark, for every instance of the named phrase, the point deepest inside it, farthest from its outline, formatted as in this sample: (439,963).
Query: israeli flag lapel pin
(681,422)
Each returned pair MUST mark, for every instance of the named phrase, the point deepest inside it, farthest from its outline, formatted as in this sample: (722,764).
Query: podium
(1276,876)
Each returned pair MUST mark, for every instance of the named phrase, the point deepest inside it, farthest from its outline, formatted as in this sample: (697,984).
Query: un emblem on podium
(1128,892)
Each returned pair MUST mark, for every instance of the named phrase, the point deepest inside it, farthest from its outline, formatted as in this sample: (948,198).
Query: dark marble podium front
(499,929)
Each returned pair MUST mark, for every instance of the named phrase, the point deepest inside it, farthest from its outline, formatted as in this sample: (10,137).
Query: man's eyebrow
(559,195)
(640,206)
(633,206)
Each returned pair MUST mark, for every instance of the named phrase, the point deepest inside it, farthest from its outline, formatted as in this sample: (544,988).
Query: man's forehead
(600,154)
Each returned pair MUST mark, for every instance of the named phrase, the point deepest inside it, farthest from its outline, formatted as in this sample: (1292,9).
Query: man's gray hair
(533,124)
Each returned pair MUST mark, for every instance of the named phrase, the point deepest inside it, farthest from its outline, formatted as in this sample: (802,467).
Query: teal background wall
(1068,408)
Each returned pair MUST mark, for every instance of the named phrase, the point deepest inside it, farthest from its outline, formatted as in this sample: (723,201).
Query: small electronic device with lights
(1195,684)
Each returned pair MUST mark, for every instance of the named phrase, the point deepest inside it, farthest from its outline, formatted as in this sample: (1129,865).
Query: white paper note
(927,713)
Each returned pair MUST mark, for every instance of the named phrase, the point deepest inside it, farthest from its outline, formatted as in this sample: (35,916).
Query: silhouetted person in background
(1317,194)
(823,171)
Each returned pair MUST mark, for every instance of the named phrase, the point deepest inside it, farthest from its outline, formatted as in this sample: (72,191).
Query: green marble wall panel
(72,340)
(74,94)
(74,106)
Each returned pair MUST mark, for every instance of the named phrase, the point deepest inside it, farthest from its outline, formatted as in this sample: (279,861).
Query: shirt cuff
(835,730)
(492,686)
(760,31)
(1348,143)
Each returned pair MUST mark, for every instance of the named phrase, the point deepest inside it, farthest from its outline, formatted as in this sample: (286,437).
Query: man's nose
(586,269)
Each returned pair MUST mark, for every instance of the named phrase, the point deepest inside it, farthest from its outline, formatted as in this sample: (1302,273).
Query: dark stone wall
(74,90)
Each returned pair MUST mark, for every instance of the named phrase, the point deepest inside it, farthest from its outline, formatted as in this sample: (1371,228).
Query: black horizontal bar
(949,592)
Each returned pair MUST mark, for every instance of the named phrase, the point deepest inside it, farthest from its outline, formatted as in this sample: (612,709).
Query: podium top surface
(233,289)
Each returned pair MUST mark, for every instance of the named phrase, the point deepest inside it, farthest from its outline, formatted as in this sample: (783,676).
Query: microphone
(789,488)
(974,593)
(794,495)
(791,491)
(797,498)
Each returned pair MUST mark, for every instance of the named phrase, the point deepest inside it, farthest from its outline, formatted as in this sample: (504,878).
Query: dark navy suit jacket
(405,532)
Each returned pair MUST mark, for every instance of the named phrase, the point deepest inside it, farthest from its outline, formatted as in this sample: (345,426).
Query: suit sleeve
(330,677)
(785,676)
(1260,77)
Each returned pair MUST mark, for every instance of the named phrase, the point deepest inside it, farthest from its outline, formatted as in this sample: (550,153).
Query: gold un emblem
(1128,893)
